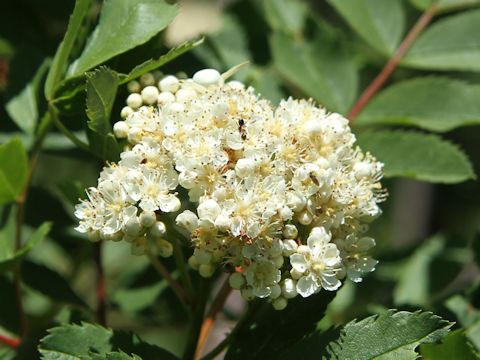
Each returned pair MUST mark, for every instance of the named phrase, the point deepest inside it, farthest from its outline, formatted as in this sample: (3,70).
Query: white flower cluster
(279,197)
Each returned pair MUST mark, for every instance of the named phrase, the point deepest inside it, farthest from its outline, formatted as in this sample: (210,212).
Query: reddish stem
(10,342)
(392,64)
(209,320)
(101,288)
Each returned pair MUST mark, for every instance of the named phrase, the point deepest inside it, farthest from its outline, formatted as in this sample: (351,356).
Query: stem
(223,344)
(101,288)
(209,320)
(10,342)
(162,270)
(182,267)
(392,64)
(21,200)
(63,129)
(201,295)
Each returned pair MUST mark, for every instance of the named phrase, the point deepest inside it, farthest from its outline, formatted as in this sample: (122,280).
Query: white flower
(258,179)
(318,262)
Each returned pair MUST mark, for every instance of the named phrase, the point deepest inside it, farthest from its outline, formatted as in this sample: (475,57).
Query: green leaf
(9,258)
(451,43)
(286,15)
(455,346)
(320,68)
(123,25)
(49,283)
(137,299)
(6,49)
(424,157)
(13,170)
(23,108)
(270,332)
(154,64)
(59,63)
(83,341)
(392,335)
(432,103)
(226,48)
(417,267)
(102,87)
(445,5)
(380,23)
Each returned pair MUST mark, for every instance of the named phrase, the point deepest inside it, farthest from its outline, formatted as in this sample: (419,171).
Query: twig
(223,344)
(209,320)
(64,130)
(10,342)
(162,270)
(392,64)
(101,292)
(21,200)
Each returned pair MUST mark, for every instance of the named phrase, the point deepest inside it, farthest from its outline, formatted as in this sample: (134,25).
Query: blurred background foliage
(424,124)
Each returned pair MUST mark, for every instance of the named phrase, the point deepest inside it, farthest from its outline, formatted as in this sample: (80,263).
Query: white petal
(306,286)
(299,263)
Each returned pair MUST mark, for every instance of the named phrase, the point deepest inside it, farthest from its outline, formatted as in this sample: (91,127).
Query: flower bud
(236,280)
(305,218)
(185,94)
(134,86)
(147,218)
(187,220)
(289,288)
(120,128)
(208,210)
(280,303)
(147,79)
(150,95)
(164,248)
(169,83)
(134,100)
(290,231)
(132,227)
(207,77)
(157,230)
(165,97)
(244,167)
(206,270)
(126,112)
(276,291)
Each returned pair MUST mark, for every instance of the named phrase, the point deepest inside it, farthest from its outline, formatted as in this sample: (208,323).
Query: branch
(209,320)
(10,342)
(162,270)
(392,64)
(101,288)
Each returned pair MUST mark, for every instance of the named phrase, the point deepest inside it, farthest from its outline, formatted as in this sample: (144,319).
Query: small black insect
(241,129)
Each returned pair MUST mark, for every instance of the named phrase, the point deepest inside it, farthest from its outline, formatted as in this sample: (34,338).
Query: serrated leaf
(271,332)
(392,335)
(10,258)
(154,64)
(13,170)
(452,43)
(102,87)
(50,283)
(432,103)
(59,63)
(286,15)
(380,23)
(320,68)
(454,346)
(445,5)
(23,108)
(415,155)
(123,25)
(84,341)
